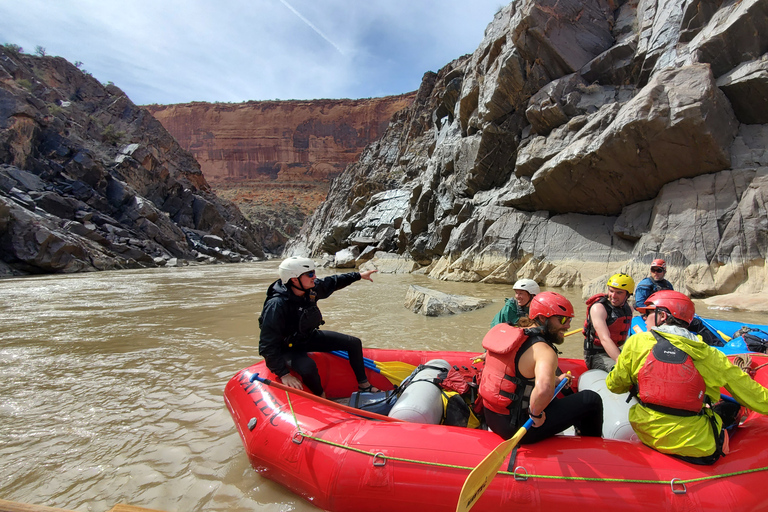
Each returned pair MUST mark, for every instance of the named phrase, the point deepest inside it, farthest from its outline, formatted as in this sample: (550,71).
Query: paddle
(395,371)
(324,401)
(709,326)
(480,477)
(573,332)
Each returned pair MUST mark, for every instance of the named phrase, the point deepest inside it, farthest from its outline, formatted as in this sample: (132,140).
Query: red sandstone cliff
(275,159)
(278,140)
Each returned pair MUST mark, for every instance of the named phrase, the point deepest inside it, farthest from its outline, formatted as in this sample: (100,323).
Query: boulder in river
(428,302)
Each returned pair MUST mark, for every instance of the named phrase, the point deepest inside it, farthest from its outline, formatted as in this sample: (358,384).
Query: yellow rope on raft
(528,475)
(512,473)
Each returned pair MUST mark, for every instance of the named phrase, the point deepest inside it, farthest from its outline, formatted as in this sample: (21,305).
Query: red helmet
(679,306)
(658,262)
(549,304)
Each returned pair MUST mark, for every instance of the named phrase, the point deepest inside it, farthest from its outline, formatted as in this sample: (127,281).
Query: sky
(178,51)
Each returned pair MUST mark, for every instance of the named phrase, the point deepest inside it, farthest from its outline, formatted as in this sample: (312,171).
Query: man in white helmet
(290,324)
(516,308)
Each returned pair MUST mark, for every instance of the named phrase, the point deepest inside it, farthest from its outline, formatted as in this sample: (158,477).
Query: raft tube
(615,406)
(341,462)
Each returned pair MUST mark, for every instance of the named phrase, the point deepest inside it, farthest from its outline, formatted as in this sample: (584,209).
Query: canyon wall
(579,139)
(278,140)
(89,181)
(275,159)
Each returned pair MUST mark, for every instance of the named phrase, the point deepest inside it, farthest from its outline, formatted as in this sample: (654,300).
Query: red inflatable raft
(340,461)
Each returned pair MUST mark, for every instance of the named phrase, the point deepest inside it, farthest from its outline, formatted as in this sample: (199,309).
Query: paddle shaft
(369,363)
(394,371)
(324,401)
(480,477)
(709,326)
(376,365)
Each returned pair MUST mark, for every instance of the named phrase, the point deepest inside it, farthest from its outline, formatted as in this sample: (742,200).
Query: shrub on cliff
(13,48)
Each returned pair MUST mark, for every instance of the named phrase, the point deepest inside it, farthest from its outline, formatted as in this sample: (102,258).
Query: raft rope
(744,362)
(381,456)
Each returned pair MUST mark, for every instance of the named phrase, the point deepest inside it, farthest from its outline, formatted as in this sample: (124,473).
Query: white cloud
(172,51)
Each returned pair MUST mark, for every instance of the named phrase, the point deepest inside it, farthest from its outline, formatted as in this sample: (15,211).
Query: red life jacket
(501,389)
(669,382)
(618,321)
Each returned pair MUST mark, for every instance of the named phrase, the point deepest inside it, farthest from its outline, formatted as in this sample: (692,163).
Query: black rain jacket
(287,320)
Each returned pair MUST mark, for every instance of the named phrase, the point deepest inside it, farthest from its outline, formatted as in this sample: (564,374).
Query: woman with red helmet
(520,376)
(676,376)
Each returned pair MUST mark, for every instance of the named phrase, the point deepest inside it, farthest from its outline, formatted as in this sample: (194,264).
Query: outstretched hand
(367,274)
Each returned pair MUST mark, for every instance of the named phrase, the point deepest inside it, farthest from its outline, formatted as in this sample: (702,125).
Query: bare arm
(543,360)
(599,317)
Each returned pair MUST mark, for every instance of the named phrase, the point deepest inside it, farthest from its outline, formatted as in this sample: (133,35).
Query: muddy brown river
(111,383)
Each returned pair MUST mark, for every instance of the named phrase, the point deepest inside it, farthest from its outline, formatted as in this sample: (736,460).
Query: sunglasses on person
(563,319)
(657,270)
(310,274)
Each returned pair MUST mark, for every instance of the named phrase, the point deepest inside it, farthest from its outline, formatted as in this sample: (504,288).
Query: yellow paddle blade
(394,364)
(480,477)
(395,375)
(395,371)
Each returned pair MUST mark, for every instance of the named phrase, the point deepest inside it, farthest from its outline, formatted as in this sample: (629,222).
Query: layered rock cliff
(275,159)
(278,140)
(90,181)
(579,139)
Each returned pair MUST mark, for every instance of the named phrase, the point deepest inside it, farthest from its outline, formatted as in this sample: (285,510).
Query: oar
(709,326)
(480,477)
(324,401)
(395,371)
(573,332)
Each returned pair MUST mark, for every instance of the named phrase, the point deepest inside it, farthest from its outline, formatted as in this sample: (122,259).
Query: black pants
(583,410)
(325,341)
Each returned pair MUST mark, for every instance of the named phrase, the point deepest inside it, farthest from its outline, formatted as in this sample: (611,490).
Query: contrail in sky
(309,23)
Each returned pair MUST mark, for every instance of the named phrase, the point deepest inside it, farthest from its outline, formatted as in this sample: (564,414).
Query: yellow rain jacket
(690,436)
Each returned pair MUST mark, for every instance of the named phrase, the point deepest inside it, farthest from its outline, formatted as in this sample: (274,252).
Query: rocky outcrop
(89,181)
(278,140)
(579,139)
(424,301)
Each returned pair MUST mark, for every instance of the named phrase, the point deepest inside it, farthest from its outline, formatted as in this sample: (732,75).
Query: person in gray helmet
(290,325)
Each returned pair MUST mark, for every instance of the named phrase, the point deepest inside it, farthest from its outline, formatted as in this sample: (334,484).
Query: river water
(111,383)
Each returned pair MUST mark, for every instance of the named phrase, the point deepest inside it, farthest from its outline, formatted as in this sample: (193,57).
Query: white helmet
(294,267)
(528,285)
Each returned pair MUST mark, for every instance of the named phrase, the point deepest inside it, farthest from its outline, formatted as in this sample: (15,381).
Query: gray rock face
(578,140)
(89,181)
(424,301)
(747,89)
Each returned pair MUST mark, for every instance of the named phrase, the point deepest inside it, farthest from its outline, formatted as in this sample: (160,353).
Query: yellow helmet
(622,282)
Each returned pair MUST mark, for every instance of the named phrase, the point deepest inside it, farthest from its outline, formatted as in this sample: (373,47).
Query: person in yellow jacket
(677,377)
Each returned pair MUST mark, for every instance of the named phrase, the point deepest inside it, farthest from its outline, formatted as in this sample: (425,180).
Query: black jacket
(287,319)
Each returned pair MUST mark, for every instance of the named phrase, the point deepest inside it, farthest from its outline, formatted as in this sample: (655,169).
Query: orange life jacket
(618,322)
(503,391)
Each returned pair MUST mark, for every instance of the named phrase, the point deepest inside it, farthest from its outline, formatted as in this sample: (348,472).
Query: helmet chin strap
(300,287)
